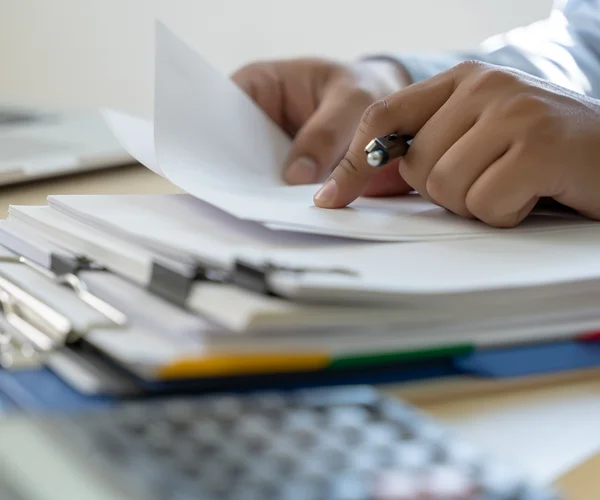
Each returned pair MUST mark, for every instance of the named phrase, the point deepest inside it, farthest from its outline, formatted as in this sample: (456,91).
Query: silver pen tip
(374,158)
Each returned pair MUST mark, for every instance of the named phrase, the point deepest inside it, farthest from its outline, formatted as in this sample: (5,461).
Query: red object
(589,337)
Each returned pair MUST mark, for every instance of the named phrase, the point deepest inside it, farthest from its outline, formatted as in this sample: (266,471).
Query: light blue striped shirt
(564,49)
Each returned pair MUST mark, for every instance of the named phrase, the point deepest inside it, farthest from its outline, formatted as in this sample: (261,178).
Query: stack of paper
(381,277)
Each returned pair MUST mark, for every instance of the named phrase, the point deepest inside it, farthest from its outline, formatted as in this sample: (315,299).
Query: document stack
(243,281)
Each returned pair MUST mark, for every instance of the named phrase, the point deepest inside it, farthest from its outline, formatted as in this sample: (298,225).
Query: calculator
(348,443)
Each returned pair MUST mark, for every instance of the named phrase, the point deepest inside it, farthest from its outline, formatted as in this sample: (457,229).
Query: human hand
(488,144)
(319,103)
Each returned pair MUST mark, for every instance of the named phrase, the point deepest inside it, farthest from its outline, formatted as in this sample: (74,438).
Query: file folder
(31,382)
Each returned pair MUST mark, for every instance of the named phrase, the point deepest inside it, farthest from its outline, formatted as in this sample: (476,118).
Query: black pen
(382,150)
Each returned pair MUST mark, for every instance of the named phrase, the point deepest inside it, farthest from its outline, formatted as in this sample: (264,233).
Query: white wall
(80,53)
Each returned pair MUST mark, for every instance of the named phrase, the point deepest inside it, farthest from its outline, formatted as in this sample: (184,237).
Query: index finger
(403,112)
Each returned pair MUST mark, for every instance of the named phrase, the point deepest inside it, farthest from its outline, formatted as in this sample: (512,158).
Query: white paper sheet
(136,136)
(404,270)
(212,141)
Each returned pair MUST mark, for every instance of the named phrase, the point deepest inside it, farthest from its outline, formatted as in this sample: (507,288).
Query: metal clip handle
(72,281)
(31,329)
(79,287)
(17,356)
(16,350)
(39,323)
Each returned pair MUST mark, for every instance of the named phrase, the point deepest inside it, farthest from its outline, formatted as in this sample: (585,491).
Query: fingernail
(302,171)
(326,195)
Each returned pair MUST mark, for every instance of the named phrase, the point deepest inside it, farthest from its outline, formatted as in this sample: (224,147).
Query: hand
(320,103)
(488,144)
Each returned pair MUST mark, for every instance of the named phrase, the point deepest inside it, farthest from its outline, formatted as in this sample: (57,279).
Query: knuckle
(491,78)
(525,103)
(483,209)
(470,66)
(477,205)
(538,120)
(440,186)
(349,164)
(437,183)
(469,69)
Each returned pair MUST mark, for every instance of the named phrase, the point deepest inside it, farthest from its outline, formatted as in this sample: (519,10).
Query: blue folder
(43,390)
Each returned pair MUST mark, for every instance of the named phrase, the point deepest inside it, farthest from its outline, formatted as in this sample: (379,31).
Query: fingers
(324,138)
(404,112)
(433,140)
(261,82)
(448,180)
(321,118)
(507,190)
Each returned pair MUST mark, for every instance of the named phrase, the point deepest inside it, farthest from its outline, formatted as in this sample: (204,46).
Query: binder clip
(30,329)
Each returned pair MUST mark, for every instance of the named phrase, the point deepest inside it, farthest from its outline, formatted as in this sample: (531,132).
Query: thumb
(324,138)
(404,112)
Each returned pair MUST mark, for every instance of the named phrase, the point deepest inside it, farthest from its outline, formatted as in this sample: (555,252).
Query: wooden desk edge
(437,391)
(583,481)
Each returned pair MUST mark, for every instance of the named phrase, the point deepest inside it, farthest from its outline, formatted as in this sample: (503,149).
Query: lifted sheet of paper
(212,141)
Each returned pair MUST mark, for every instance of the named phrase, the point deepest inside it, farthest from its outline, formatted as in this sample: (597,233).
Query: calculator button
(254,431)
(180,414)
(500,480)
(406,420)
(363,462)
(303,489)
(282,460)
(396,485)
(347,416)
(188,460)
(462,454)
(269,403)
(206,436)
(158,437)
(415,455)
(259,486)
(444,482)
(132,419)
(350,487)
(111,445)
(430,431)
(301,428)
(324,398)
(334,458)
(302,419)
(226,408)
(213,477)
(380,434)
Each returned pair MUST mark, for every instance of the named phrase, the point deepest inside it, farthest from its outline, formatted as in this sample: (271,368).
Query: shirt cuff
(421,67)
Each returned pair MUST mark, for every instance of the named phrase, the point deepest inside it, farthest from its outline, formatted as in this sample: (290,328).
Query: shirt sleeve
(563,48)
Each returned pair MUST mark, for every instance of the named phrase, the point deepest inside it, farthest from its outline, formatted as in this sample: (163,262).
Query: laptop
(36,144)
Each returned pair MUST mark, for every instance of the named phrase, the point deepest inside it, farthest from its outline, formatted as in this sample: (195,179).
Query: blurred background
(87,53)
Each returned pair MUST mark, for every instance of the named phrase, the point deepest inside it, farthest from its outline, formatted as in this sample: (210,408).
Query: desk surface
(549,426)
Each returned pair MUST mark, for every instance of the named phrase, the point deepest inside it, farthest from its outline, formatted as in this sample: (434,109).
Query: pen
(383,149)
